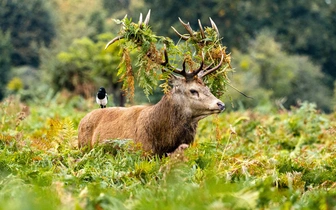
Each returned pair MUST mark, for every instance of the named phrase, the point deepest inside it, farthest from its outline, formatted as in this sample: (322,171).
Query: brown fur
(159,128)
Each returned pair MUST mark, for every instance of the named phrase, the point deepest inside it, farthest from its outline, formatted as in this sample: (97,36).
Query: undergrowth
(240,160)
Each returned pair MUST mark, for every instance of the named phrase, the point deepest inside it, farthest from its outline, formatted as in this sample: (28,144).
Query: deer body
(163,127)
(160,128)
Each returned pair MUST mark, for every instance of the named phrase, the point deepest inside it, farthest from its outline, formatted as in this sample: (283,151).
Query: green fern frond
(55,133)
(68,133)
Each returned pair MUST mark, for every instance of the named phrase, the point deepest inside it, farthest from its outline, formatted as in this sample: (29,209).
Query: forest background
(283,52)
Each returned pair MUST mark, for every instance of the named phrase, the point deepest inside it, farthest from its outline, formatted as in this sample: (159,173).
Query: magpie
(101,97)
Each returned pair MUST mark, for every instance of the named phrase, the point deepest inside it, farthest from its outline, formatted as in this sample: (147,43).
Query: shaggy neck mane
(169,125)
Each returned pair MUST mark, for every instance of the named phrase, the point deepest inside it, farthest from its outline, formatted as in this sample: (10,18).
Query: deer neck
(171,125)
(174,109)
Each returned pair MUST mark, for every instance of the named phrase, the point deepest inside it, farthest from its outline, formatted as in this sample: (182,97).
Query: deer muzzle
(221,106)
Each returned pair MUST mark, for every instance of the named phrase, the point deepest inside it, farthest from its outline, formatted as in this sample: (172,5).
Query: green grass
(240,160)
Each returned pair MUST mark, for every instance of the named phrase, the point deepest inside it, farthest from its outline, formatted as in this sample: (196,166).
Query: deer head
(194,97)
(189,89)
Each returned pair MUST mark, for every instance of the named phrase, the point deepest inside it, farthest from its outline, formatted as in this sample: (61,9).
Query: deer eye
(194,92)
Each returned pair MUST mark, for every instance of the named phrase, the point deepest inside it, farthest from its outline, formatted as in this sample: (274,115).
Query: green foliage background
(30,25)
(5,61)
(267,73)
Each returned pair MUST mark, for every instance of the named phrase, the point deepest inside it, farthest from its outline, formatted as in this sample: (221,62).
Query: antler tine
(187,27)
(114,40)
(180,35)
(140,19)
(147,17)
(201,29)
(165,62)
(209,71)
(213,24)
(183,72)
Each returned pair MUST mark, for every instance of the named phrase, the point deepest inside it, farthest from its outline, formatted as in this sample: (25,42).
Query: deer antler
(114,40)
(188,75)
(200,72)
(213,24)
(191,32)
(147,17)
(201,29)
(210,70)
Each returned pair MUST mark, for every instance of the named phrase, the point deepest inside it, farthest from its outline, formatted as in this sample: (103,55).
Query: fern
(57,133)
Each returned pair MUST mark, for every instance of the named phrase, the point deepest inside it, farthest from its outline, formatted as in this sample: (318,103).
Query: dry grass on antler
(128,76)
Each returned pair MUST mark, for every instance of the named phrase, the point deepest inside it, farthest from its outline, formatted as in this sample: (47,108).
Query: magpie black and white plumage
(102,97)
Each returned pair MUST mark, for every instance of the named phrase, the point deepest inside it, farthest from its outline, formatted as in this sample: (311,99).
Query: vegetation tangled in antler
(203,46)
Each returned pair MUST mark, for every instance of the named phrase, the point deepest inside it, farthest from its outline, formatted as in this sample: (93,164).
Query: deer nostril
(221,106)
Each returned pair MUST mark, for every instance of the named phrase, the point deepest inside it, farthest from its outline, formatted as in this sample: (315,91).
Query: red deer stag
(159,128)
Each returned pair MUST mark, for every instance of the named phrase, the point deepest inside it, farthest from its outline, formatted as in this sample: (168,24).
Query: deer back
(108,123)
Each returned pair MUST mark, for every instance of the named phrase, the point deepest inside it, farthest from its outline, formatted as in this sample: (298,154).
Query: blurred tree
(76,19)
(304,28)
(97,22)
(309,84)
(117,9)
(5,60)
(85,66)
(30,25)
(26,82)
(267,73)
(115,6)
(15,85)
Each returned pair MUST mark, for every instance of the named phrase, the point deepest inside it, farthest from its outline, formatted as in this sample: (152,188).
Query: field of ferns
(240,160)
